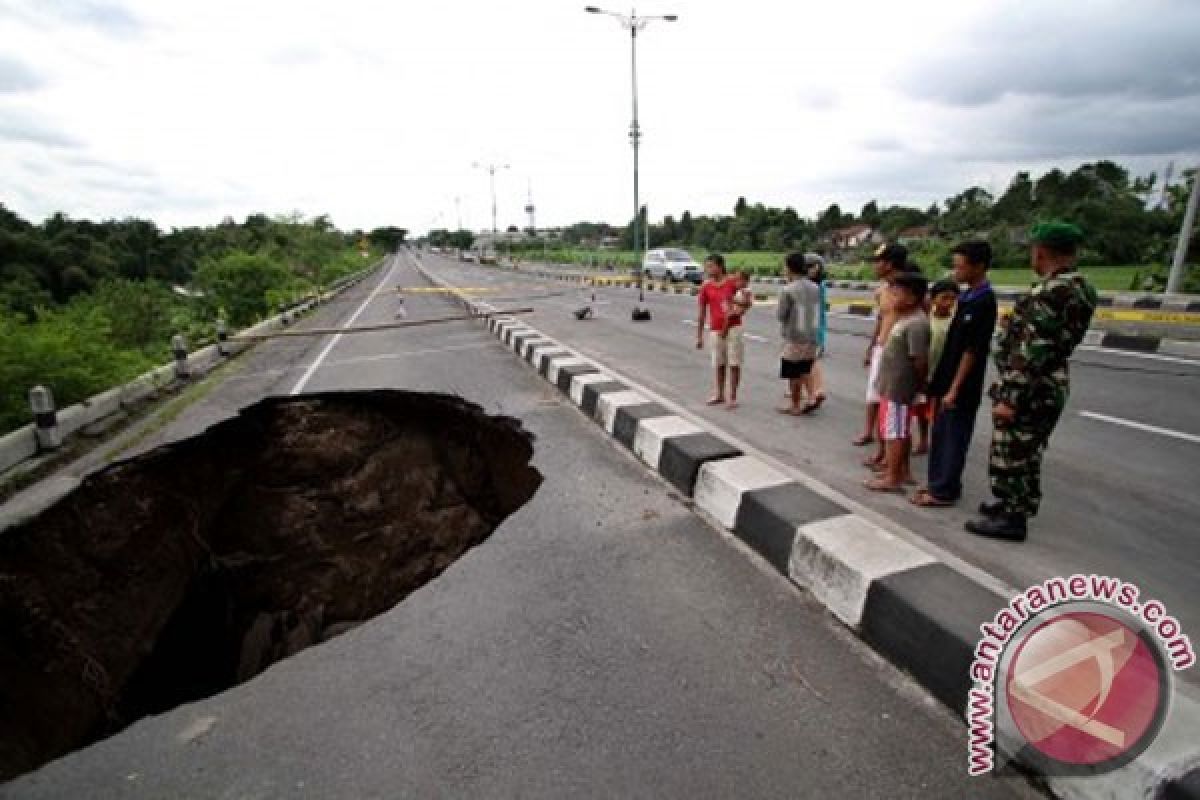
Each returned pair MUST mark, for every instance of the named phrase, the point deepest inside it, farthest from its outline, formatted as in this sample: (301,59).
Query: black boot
(992,509)
(1002,526)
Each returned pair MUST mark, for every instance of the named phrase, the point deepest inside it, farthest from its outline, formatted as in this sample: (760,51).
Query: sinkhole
(175,575)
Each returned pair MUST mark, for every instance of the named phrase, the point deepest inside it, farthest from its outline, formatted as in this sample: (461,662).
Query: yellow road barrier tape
(1148,315)
(1182,318)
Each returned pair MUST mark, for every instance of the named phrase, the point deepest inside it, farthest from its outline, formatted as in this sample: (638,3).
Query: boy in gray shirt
(903,371)
(797,313)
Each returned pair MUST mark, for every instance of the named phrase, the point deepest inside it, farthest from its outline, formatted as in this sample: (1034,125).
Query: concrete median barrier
(915,608)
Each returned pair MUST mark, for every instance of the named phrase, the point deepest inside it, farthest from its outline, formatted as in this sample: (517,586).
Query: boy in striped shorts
(903,369)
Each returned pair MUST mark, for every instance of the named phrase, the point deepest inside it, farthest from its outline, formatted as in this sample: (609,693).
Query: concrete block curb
(627,419)
(609,405)
(682,457)
(839,558)
(721,484)
(916,611)
(592,392)
(652,434)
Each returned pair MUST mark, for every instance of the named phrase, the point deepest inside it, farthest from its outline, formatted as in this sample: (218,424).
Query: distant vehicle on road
(675,265)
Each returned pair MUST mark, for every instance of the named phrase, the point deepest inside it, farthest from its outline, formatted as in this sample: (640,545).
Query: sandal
(880,485)
(925,499)
(862,441)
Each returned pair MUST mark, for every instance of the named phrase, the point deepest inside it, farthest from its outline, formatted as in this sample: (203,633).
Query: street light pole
(634,23)
(1175,279)
(635,135)
(491,170)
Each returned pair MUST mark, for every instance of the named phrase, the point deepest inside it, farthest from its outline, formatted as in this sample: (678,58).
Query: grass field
(1115,278)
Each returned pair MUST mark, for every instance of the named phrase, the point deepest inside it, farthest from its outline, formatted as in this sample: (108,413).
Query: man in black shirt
(957,384)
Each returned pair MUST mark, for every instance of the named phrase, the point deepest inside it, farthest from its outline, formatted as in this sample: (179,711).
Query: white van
(671,264)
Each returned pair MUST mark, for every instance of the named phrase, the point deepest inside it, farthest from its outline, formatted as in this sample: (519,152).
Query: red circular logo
(1084,688)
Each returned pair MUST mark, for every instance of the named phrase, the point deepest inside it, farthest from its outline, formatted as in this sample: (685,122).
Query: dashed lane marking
(1141,426)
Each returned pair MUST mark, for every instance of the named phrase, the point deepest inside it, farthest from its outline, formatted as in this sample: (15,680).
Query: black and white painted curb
(917,611)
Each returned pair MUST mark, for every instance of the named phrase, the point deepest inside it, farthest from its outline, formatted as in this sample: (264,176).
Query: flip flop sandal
(924,499)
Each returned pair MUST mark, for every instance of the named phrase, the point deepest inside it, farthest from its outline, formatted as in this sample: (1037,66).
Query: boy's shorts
(873,375)
(894,424)
(727,350)
(795,370)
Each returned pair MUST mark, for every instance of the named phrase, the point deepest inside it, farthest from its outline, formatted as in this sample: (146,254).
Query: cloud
(1024,129)
(817,98)
(17,127)
(296,55)
(106,17)
(1062,50)
(883,144)
(15,76)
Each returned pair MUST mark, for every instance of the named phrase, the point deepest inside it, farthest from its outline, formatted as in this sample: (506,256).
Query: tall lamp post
(491,171)
(633,23)
(1178,268)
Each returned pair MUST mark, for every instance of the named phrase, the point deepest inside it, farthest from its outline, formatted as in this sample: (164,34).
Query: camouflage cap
(1056,234)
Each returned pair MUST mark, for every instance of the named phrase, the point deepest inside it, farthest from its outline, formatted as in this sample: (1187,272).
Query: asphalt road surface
(603,642)
(1120,475)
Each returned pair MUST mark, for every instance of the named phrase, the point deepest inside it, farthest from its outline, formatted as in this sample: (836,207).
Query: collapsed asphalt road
(603,641)
(198,565)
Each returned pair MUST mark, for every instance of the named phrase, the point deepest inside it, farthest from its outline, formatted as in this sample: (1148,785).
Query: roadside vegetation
(85,306)
(1131,225)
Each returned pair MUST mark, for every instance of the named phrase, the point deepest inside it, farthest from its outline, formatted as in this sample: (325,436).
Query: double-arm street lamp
(633,23)
(491,171)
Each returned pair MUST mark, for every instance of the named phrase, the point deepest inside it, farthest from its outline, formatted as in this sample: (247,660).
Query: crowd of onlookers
(925,359)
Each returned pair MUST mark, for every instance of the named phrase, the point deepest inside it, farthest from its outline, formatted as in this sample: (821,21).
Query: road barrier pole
(179,348)
(45,418)
(222,337)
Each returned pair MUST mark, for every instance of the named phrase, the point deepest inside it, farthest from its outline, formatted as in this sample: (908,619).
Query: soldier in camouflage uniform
(1033,383)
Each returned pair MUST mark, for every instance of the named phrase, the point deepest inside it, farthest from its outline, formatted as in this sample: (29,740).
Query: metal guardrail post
(179,349)
(222,337)
(45,418)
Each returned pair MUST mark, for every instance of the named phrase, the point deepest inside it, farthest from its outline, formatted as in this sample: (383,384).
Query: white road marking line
(754,337)
(1141,426)
(1133,354)
(299,387)
(408,353)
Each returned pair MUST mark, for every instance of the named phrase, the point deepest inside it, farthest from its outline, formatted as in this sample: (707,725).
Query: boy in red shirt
(714,301)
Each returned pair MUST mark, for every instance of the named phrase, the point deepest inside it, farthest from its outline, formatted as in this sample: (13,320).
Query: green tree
(239,283)
(389,238)
(1015,206)
(870,214)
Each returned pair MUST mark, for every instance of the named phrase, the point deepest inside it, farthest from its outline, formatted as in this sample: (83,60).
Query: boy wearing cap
(903,368)
(957,383)
(1034,382)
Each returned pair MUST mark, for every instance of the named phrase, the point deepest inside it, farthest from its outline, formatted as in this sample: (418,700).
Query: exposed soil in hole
(175,575)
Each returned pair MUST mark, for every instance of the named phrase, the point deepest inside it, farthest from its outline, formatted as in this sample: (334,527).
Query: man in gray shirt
(797,313)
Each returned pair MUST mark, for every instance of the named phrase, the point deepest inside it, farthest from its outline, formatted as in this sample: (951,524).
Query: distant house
(851,237)
(915,235)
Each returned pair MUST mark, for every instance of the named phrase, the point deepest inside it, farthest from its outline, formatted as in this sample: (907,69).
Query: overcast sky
(373,112)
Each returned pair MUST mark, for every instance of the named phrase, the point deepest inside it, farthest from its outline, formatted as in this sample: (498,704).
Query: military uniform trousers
(1015,466)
